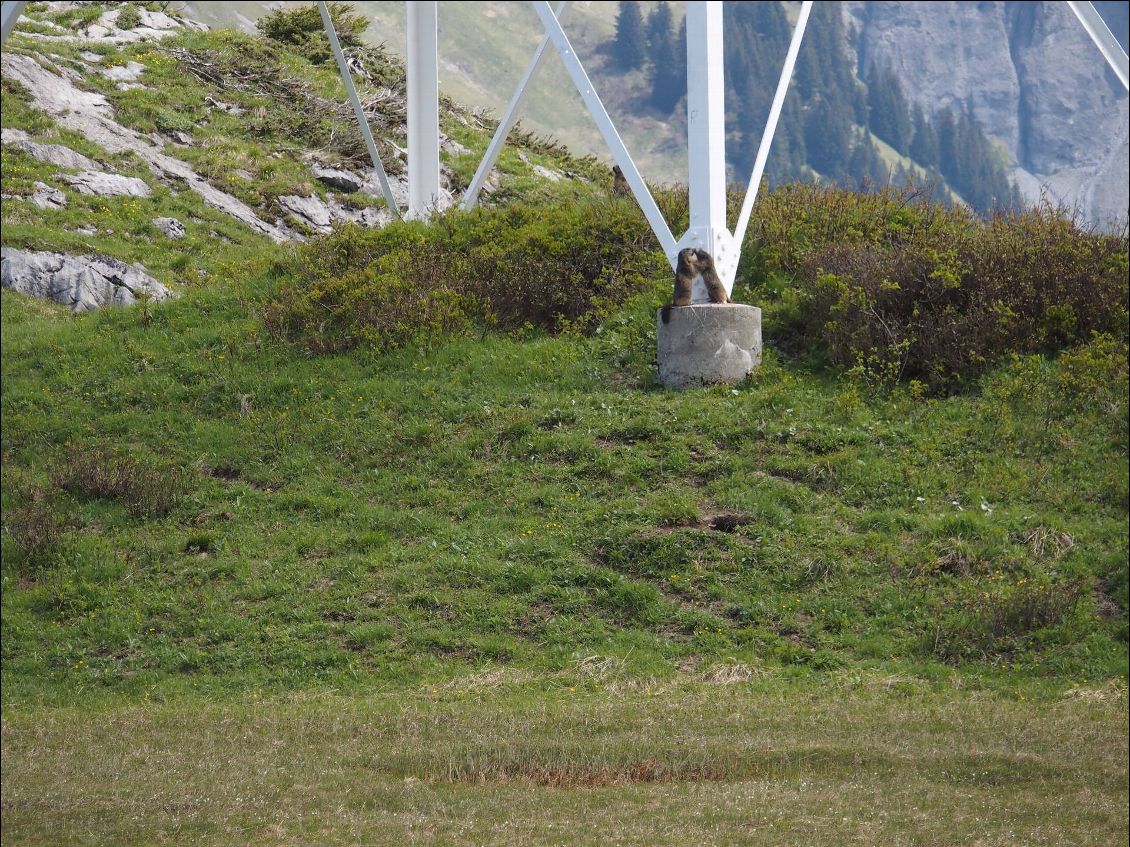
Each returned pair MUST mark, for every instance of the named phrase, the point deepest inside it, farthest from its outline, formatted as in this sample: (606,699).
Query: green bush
(301,29)
(897,287)
(553,267)
(129,17)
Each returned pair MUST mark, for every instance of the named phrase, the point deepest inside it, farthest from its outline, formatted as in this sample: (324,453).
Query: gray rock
(310,211)
(53,154)
(171,227)
(80,282)
(1033,79)
(46,197)
(107,185)
(449,145)
(398,184)
(547,173)
(338,179)
(226,108)
(91,115)
(129,72)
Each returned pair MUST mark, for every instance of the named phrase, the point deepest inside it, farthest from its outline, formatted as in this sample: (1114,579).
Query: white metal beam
(471,198)
(1104,39)
(423,107)
(706,143)
(771,124)
(358,110)
(607,129)
(10,12)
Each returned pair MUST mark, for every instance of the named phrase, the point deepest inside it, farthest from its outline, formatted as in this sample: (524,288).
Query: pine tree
(887,108)
(945,126)
(658,26)
(630,45)
(667,74)
(924,147)
(827,138)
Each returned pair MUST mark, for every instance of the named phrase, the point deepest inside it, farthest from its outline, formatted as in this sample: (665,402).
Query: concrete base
(708,344)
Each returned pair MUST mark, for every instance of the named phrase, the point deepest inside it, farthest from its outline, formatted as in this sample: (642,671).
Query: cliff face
(1033,79)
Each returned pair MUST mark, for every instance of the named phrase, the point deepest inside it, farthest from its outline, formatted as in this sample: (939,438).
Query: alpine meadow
(343,529)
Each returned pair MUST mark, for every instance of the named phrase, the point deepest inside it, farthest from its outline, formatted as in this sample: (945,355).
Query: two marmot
(693,262)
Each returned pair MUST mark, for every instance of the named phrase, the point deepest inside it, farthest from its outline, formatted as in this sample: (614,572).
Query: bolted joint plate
(708,344)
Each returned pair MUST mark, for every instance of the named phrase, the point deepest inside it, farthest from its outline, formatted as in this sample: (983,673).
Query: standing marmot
(714,287)
(620,185)
(693,262)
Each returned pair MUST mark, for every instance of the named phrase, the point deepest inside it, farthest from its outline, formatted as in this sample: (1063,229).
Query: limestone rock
(46,197)
(107,185)
(80,282)
(547,173)
(1033,79)
(129,72)
(91,115)
(320,216)
(310,211)
(171,227)
(338,179)
(53,154)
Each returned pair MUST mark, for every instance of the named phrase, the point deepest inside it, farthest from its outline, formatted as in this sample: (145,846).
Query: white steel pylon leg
(706,144)
(423,108)
(471,198)
(1106,42)
(607,128)
(11,12)
(771,123)
(358,109)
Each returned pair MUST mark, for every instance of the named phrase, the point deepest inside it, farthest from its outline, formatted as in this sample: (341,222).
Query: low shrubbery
(557,267)
(900,288)
(144,486)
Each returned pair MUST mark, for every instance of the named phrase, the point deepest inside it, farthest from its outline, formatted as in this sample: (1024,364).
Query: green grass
(505,589)
(365,519)
(865,760)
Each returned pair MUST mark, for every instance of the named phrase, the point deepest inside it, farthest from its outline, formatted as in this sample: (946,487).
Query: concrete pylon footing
(708,344)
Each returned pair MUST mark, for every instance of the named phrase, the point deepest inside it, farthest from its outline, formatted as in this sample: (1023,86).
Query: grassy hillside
(491,584)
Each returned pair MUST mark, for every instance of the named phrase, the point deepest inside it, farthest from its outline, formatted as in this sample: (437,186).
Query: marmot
(685,272)
(619,183)
(714,287)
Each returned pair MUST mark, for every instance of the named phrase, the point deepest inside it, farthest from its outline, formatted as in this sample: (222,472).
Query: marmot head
(688,257)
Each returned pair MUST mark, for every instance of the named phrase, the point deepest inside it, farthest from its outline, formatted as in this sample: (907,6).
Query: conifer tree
(630,45)
(924,147)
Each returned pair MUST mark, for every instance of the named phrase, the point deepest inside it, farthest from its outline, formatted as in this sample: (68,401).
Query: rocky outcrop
(338,179)
(80,282)
(53,154)
(46,197)
(1032,78)
(171,227)
(91,115)
(320,216)
(106,185)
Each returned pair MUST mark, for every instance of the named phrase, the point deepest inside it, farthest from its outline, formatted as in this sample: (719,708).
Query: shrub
(897,287)
(142,485)
(33,526)
(129,17)
(302,29)
(997,620)
(554,267)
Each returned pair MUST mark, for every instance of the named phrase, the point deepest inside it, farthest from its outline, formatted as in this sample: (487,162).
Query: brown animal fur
(619,183)
(685,272)
(714,287)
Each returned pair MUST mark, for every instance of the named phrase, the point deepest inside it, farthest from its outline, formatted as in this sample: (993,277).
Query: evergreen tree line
(826,120)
